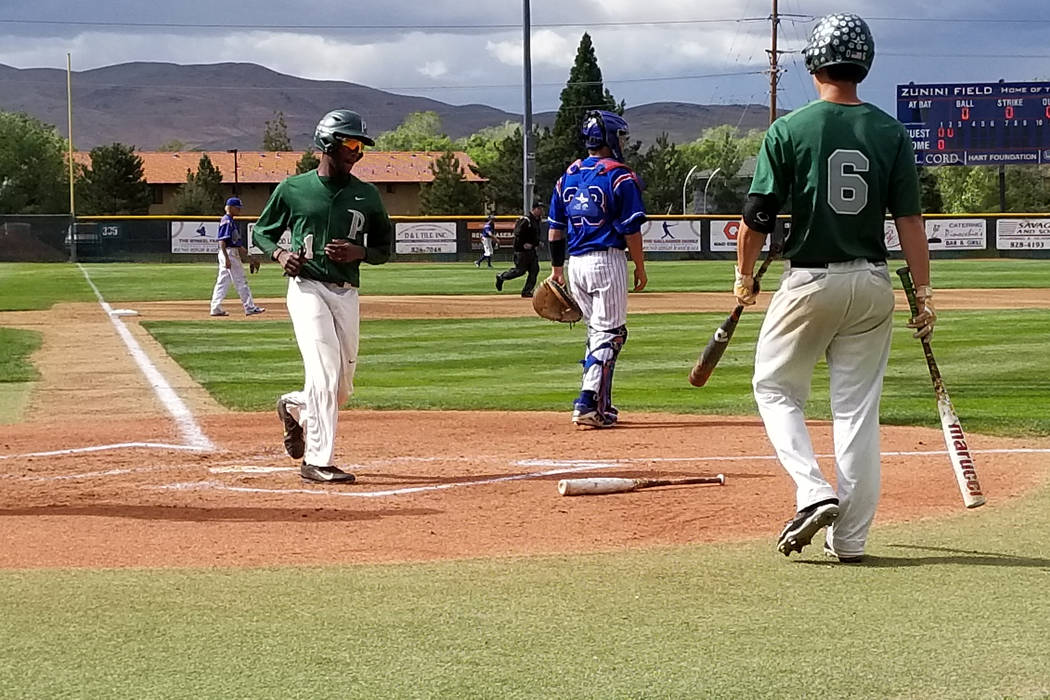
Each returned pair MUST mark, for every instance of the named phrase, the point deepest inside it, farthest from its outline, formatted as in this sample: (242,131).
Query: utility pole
(774,65)
(526,133)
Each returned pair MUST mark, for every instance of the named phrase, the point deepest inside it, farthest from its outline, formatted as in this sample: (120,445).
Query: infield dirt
(446,485)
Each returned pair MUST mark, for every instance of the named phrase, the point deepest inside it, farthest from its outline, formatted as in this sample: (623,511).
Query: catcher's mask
(603,128)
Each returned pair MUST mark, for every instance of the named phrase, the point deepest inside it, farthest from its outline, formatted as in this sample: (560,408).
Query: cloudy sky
(460,51)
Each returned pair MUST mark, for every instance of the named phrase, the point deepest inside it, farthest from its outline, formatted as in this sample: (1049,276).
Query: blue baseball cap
(234,202)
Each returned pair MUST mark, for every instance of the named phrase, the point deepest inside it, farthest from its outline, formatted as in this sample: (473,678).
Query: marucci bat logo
(721,336)
(962,451)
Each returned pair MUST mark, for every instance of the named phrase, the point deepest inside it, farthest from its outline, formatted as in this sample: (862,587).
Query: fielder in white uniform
(232,252)
(596,212)
(841,163)
(343,222)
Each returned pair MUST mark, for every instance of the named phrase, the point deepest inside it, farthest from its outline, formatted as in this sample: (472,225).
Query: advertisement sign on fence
(671,236)
(957,234)
(425,237)
(1022,234)
(945,234)
(724,233)
(194,236)
(285,241)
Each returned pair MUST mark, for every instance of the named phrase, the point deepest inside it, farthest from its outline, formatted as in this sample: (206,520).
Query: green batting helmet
(838,39)
(340,124)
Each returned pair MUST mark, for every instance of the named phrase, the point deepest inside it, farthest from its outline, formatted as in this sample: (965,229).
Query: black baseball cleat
(807,522)
(526,295)
(330,475)
(294,441)
(499,283)
(829,551)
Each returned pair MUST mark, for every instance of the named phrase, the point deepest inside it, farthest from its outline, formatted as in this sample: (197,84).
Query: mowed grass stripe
(990,360)
(39,285)
(946,609)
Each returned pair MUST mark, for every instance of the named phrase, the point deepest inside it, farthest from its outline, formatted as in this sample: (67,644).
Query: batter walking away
(232,253)
(488,241)
(526,251)
(596,212)
(841,163)
(344,219)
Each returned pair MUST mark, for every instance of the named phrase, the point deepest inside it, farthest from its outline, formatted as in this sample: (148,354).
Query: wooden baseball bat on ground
(598,485)
(954,438)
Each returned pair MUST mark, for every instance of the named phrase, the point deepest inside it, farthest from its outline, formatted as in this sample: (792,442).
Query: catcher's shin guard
(598,366)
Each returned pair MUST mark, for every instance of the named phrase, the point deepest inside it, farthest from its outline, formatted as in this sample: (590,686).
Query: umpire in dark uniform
(526,251)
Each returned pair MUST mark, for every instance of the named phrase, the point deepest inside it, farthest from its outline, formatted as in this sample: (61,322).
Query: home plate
(250,469)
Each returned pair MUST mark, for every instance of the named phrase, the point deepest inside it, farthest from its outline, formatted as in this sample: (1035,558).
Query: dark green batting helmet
(340,124)
(839,39)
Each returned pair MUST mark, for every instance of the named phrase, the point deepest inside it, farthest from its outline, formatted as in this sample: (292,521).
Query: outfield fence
(45,238)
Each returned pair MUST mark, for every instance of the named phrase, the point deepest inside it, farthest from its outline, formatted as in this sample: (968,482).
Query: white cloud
(433,69)
(548,48)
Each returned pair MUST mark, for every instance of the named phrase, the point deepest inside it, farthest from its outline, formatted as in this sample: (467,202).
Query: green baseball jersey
(841,167)
(328,208)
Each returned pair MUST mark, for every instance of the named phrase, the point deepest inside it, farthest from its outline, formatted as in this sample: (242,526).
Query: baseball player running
(232,253)
(596,212)
(346,223)
(488,245)
(841,163)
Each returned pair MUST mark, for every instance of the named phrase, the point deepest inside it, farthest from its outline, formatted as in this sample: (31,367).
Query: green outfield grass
(996,378)
(943,609)
(17,374)
(946,608)
(38,286)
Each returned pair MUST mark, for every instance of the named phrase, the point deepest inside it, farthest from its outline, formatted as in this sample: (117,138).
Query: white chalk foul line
(218,486)
(187,425)
(115,446)
(568,466)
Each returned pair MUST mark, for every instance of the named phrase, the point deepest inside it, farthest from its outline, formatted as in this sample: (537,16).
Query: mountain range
(226,105)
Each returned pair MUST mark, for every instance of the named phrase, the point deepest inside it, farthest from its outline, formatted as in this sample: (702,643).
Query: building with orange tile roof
(397,174)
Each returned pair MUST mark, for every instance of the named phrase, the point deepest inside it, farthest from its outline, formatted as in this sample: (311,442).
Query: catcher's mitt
(553,301)
(253,266)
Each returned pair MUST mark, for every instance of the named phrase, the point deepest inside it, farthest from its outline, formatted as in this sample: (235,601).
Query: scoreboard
(977,123)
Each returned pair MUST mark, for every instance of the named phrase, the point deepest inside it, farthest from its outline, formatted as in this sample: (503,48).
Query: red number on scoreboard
(940,144)
(1048,112)
(1009,112)
(965,113)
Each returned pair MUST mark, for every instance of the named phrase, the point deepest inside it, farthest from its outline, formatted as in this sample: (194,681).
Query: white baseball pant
(326,320)
(234,275)
(598,282)
(845,314)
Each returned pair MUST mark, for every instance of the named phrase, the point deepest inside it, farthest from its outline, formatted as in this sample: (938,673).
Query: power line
(346,27)
(801,18)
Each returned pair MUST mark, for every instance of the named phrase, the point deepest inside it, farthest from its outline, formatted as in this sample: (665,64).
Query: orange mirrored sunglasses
(352,144)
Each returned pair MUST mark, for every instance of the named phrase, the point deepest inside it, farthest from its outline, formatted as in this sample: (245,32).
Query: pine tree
(275,135)
(449,192)
(202,193)
(504,172)
(308,162)
(114,184)
(584,91)
(663,169)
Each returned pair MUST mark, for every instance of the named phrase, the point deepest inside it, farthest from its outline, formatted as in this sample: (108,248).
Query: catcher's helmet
(337,124)
(602,128)
(838,39)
